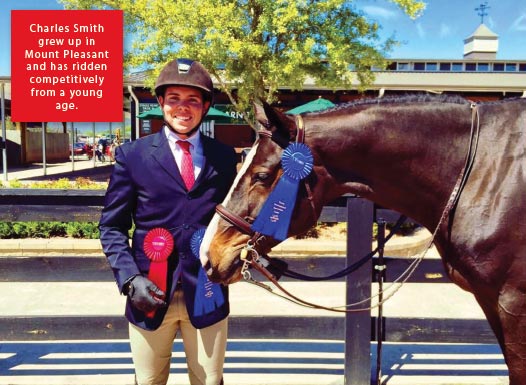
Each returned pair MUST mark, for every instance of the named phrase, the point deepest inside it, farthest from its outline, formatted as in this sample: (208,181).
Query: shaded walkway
(262,361)
(80,168)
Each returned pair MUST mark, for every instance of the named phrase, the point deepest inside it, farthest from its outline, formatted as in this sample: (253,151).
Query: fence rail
(357,329)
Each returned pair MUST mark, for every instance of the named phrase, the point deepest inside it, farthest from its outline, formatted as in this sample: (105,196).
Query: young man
(152,187)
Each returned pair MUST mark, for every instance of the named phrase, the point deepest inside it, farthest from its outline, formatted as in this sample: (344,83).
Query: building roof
(482,31)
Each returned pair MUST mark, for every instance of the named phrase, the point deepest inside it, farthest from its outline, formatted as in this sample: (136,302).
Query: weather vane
(481,11)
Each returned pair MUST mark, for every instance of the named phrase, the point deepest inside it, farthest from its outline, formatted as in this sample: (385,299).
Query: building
(477,76)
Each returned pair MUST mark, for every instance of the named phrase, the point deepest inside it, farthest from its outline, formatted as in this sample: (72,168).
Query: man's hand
(145,295)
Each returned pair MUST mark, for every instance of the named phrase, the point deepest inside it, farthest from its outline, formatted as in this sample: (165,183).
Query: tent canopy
(312,106)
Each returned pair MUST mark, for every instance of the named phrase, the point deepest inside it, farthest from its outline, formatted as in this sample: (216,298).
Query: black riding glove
(145,295)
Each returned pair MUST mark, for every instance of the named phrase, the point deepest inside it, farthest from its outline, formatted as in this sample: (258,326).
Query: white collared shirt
(196,149)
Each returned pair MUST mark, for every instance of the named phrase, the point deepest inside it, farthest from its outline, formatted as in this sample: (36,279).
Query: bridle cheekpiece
(274,217)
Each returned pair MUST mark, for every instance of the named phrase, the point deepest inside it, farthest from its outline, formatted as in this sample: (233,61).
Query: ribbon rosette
(276,213)
(158,245)
(208,295)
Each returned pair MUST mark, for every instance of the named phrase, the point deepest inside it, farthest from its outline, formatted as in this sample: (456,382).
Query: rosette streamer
(276,213)
(158,245)
(208,295)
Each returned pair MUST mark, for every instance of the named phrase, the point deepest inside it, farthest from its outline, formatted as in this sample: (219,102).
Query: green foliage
(62,183)
(15,183)
(14,230)
(87,230)
(339,229)
(52,229)
(252,47)
(313,232)
(9,125)
(6,230)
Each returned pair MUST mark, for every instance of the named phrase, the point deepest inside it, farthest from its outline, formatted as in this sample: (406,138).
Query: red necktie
(187,166)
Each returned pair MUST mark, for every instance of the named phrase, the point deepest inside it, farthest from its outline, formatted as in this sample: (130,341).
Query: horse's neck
(403,157)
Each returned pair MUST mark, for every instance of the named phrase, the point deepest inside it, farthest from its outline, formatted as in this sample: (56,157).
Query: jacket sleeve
(116,221)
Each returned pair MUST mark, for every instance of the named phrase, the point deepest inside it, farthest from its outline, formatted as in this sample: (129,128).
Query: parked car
(78,148)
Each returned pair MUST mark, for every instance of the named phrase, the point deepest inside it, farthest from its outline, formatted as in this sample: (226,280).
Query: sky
(438,34)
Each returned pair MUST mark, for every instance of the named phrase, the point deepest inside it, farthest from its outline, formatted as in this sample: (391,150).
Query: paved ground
(315,361)
(98,171)
(38,295)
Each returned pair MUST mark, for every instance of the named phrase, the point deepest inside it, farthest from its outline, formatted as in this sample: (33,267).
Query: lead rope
(248,253)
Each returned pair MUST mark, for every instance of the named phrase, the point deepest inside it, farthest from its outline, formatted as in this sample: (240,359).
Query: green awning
(313,106)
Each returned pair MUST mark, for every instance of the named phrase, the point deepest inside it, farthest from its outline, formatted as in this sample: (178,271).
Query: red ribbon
(158,245)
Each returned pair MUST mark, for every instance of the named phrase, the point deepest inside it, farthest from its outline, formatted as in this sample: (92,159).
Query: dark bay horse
(407,154)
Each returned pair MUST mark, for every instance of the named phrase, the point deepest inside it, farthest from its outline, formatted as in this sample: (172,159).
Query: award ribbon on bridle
(208,295)
(276,213)
(158,245)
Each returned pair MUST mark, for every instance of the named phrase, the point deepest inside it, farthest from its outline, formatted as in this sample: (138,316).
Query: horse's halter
(242,224)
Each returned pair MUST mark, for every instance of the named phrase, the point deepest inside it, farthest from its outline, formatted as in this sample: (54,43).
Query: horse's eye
(261,176)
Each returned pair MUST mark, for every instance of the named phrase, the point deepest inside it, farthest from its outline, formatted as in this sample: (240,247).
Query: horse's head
(257,177)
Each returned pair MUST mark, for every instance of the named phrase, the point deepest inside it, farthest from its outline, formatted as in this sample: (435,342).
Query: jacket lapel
(208,170)
(162,153)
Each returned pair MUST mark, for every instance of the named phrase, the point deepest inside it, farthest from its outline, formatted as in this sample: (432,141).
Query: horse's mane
(392,99)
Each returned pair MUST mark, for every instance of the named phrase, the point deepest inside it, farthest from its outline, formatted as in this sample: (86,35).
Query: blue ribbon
(276,213)
(208,295)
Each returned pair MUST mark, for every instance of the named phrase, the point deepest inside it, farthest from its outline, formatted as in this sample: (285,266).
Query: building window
(483,67)
(511,67)
(420,66)
(431,66)
(471,66)
(403,67)
(457,67)
(522,67)
(498,67)
(445,66)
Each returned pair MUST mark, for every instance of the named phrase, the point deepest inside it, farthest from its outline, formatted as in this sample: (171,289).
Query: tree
(252,47)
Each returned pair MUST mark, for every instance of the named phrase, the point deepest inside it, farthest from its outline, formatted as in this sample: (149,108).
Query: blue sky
(438,34)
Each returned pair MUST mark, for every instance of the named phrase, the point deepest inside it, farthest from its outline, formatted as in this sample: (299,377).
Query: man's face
(183,108)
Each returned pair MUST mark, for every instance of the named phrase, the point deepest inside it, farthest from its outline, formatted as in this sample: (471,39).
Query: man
(152,187)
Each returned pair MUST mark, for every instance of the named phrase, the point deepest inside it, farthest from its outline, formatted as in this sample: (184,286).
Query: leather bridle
(252,258)
(242,224)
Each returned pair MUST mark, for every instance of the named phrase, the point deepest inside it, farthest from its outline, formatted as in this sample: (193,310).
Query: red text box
(66,66)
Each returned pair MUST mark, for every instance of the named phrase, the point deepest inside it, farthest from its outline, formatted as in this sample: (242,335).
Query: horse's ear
(260,115)
(280,124)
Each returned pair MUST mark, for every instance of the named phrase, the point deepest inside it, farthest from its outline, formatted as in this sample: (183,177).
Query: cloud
(420,30)
(380,12)
(490,22)
(445,30)
(519,24)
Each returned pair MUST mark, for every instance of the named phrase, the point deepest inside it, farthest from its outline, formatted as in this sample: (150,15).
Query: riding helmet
(185,72)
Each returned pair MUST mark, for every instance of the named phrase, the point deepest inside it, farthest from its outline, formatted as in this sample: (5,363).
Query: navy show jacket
(146,189)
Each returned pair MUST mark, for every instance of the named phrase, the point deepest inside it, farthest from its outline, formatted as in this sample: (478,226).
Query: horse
(455,167)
